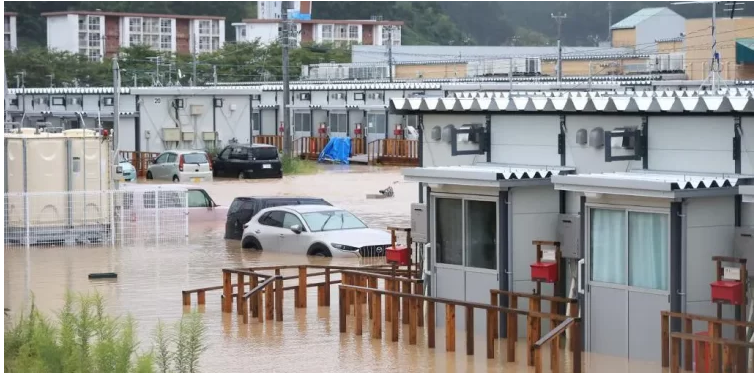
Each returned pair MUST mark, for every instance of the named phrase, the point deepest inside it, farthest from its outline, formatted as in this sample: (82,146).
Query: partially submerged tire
(251,243)
(320,251)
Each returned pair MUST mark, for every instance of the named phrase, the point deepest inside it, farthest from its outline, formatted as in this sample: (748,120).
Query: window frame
(464,198)
(263,220)
(201,192)
(626,209)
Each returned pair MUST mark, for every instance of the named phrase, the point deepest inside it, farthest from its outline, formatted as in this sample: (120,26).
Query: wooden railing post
(574,313)
(536,354)
(342,309)
(278,296)
(450,327)
(431,324)
(688,352)
(376,316)
(327,287)
(576,359)
(419,290)
(320,295)
(201,297)
(227,292)
(394,323)
(389,301)
(359,317)
(491,328)
(240,292)
(260,304)
(302,287)
(469,330)
(533,328)
(186,298)
(494,301)
(555,355)
(406,289)
(512,336)
(665,339)
(715,331)
(675,354)
(254,299)
(412,321)
(269,301)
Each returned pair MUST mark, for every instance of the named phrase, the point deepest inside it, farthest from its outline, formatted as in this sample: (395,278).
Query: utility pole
(390,51)
(214,74)
(193,63)
(52,78)
(116,111)
(559,20)
(136,82)
(609,22)
(287,132)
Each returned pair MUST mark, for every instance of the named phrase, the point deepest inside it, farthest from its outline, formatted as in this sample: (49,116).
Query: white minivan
(181,166)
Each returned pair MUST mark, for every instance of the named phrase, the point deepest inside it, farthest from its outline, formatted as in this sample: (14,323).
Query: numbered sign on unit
(732,273)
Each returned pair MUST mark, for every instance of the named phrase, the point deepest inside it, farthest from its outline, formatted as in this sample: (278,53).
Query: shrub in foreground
(85,339)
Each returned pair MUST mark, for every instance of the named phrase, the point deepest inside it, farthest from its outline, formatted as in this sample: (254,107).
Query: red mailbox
(545,272)
(357,130)
(322,129)
(730,292)
(398,131)
(281,128)
(399,255)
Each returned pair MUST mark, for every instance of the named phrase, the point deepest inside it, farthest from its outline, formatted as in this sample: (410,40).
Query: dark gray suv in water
(248,161)
(244,208)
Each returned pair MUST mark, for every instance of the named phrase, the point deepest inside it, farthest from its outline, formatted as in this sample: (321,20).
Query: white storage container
(66,177)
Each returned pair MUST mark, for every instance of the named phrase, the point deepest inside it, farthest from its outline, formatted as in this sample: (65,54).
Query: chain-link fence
(114,217)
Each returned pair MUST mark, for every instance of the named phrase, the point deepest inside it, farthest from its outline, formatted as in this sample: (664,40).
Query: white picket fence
(113,217)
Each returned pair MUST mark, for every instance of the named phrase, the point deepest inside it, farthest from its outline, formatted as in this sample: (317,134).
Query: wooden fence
(725,355)
(140,160)
(398,152)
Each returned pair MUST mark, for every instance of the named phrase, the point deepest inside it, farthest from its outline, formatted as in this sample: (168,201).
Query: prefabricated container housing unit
(640,191)
(55,184)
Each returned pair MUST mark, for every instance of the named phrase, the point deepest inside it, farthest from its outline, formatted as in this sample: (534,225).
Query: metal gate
(110,217)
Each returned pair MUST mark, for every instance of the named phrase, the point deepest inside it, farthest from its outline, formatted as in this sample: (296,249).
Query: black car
(246,161)
(244,208)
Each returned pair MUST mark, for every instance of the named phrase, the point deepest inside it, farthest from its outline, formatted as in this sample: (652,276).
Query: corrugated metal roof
(665,181)
(636,18)
(413,53)
(652,184)
(735,92)
(597,57)
(577,103)
(68,90)
(488,174)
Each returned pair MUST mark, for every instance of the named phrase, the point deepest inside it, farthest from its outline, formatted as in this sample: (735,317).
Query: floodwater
(150,280)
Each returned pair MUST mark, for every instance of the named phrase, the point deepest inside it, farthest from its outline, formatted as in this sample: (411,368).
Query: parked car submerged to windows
(139,201)
(244,208)
(313,230)
(181,166)
(246,161)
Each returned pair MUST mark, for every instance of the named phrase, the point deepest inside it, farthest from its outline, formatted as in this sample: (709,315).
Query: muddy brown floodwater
(150,280)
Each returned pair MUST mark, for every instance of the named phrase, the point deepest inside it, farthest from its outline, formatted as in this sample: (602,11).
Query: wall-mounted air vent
(305,96)
(358,96)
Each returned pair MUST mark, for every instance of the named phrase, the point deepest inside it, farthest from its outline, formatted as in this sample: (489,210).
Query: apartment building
(319,31)
(274,9)
(97,33)
(11,41)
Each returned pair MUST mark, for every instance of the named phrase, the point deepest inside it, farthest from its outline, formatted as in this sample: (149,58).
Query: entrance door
(466,249)
(628,282)
(302,122)
(256,124)
(338,125)
(376,124)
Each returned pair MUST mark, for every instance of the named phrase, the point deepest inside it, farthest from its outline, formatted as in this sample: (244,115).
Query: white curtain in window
(608,259)
(648,250)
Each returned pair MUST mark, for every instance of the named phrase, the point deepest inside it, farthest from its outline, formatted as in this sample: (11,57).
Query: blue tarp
(338,150)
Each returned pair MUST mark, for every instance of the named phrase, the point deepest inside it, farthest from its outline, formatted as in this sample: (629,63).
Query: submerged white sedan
(313,230)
